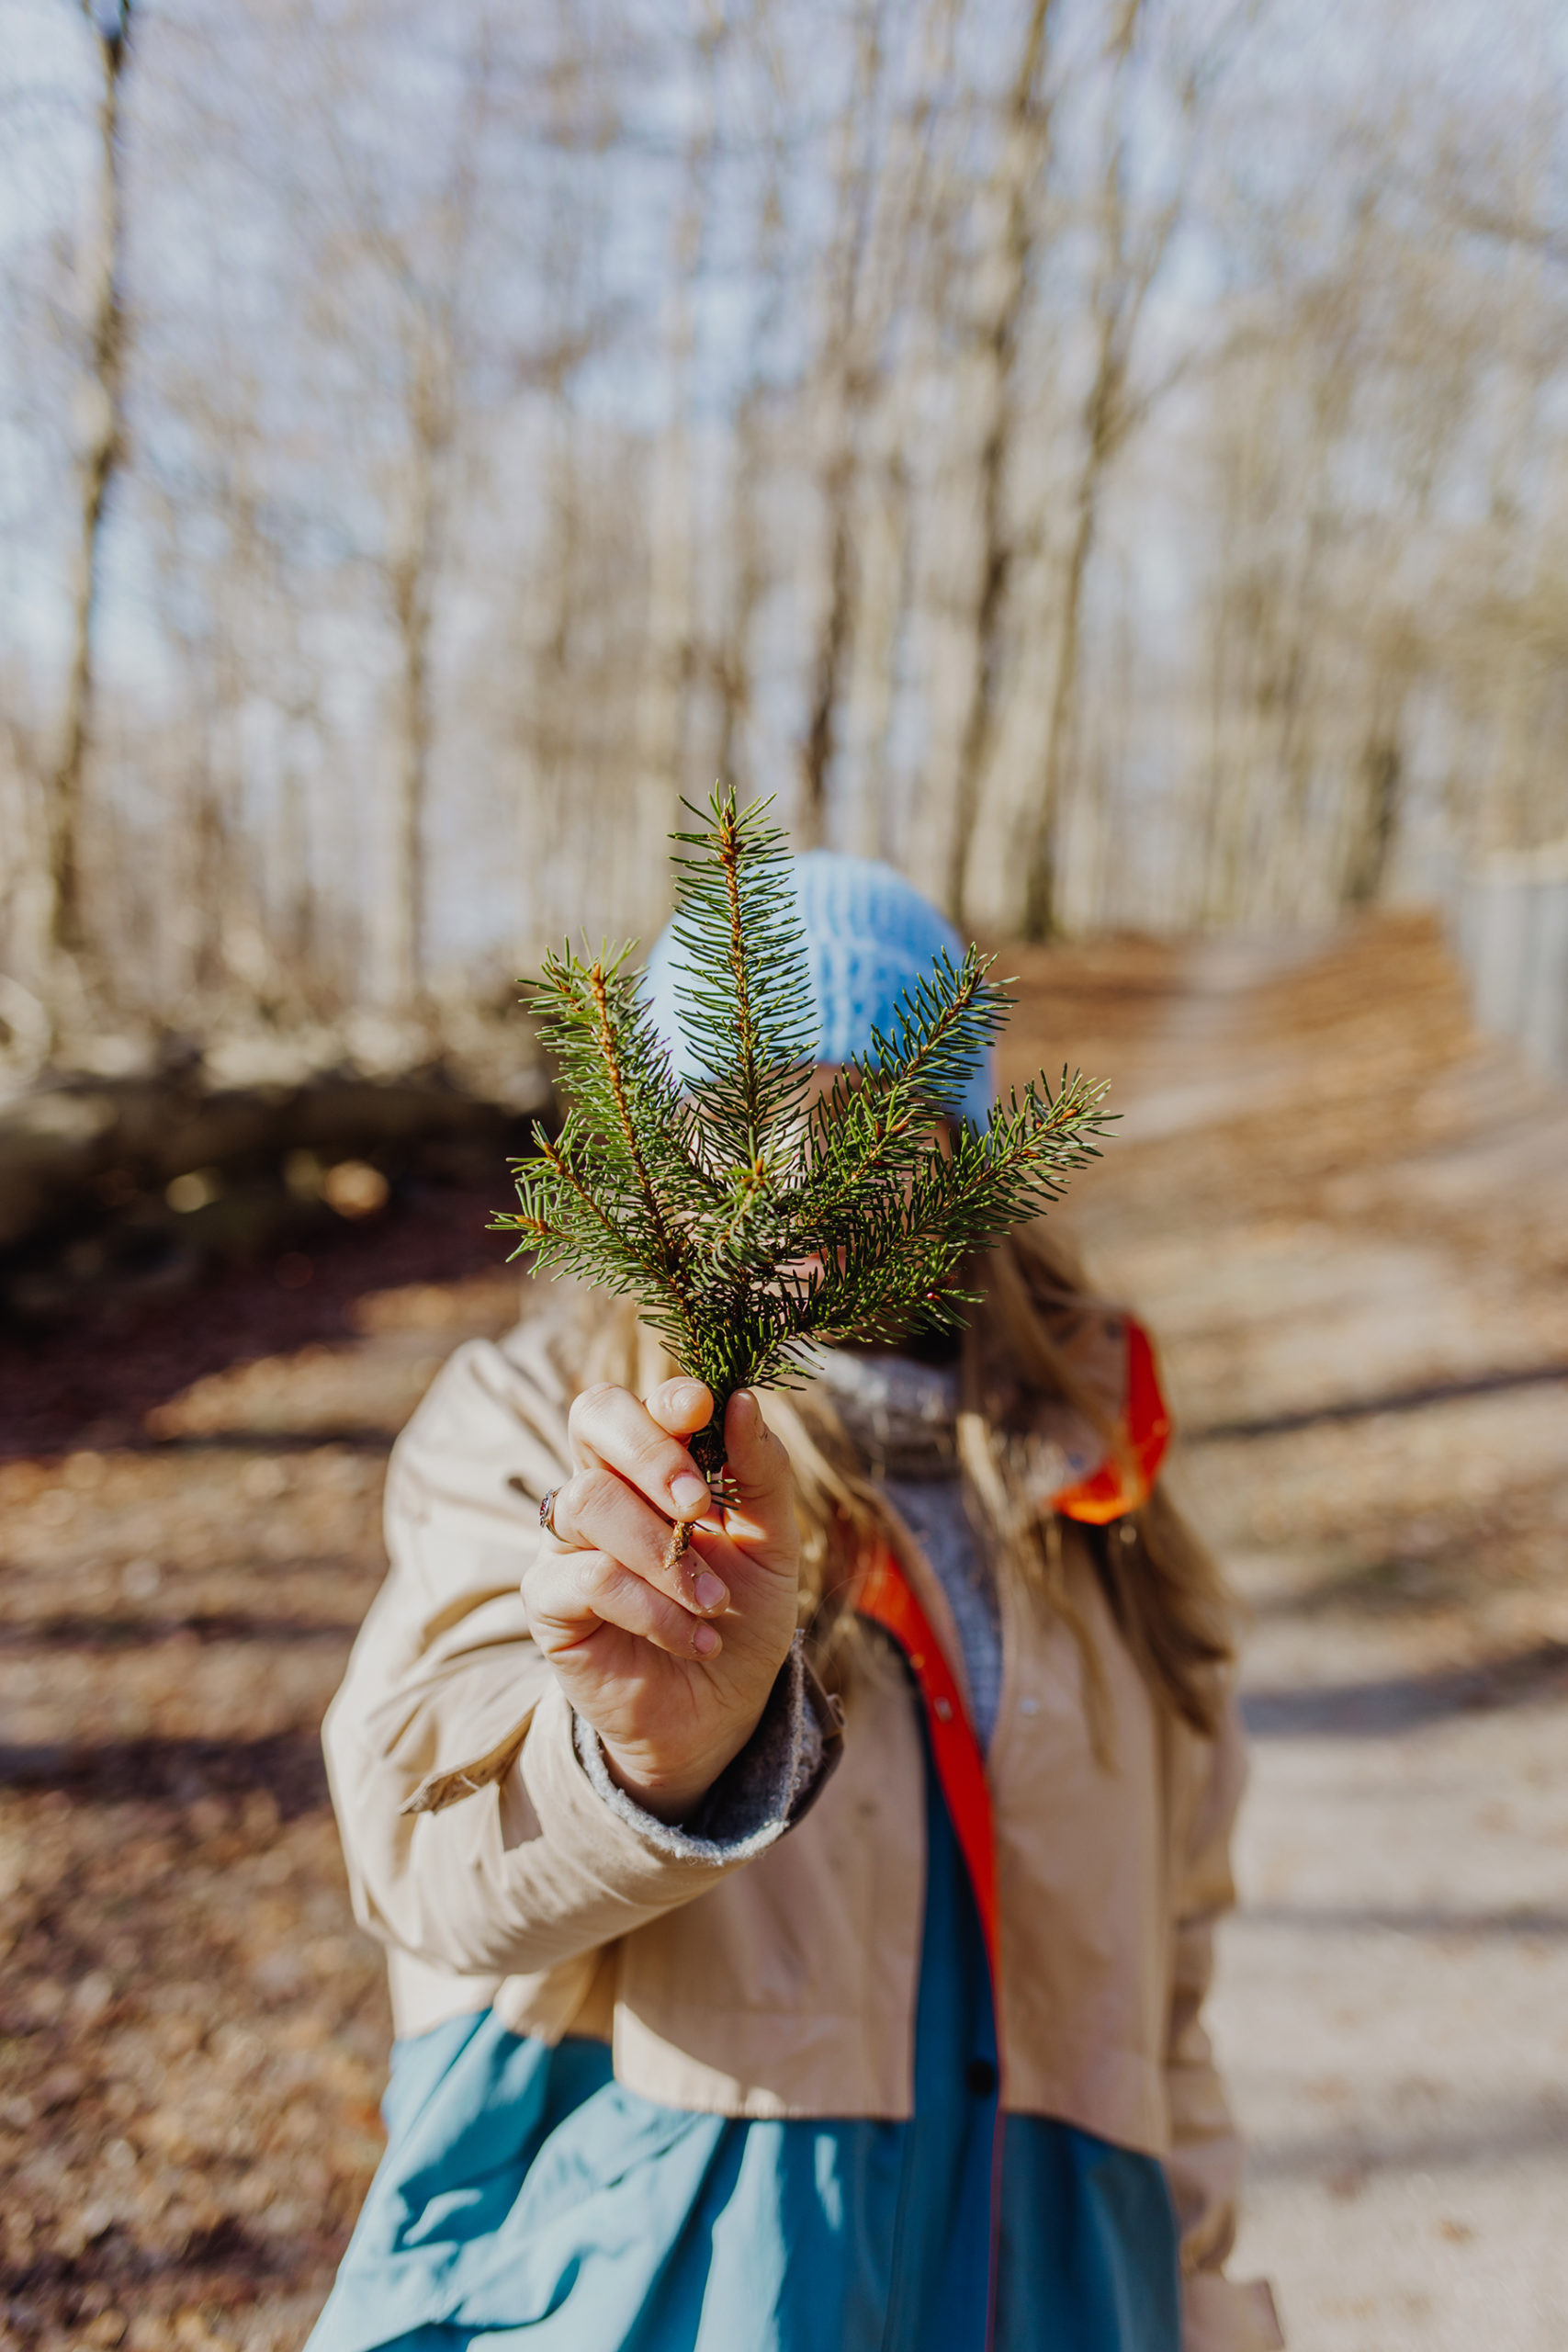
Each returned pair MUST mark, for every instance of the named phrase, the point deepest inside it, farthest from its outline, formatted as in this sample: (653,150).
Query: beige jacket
(778,1979)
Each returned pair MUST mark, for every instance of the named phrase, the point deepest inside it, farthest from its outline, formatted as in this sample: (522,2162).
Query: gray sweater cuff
(772,1782)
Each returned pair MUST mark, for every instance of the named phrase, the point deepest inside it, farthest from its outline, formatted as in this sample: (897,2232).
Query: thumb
(762,1518)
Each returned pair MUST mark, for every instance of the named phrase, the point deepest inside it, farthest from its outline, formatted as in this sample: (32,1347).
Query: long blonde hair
(1163,1588)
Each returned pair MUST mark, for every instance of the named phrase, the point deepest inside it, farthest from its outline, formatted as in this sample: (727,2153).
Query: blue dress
(528,2202)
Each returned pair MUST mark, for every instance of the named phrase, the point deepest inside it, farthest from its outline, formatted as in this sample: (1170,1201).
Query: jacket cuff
(604,1869)
(1221,2314)
(760,1795)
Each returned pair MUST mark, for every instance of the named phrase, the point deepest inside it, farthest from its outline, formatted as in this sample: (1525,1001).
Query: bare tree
(894,324)
(1013,202)
(670,663)
(66,942)
(433,326)
(836,401)
(746,554)
(1128,262)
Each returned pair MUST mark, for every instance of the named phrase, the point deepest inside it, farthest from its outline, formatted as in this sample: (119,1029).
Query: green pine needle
(752,1222)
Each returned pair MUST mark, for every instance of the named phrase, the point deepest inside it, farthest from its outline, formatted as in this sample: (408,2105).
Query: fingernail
(707,1640)
(688,1399)
(747,1402)
(709,1591)
(689,1494)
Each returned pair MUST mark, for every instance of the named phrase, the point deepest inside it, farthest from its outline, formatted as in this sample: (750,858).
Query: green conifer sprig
(752,1218)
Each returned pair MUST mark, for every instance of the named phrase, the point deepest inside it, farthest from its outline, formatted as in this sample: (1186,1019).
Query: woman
(798,1947)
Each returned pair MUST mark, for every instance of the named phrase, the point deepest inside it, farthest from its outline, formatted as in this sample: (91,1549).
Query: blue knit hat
(868,934)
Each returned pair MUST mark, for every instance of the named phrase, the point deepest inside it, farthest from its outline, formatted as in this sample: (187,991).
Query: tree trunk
(406,905)
(883,567)
(1040,903)
(732,660)
(66,943)
(669,661)
(1025,139)
(1123,280)
(747,557)
(411,581)
(841,392)
(833,639)
(434,357)
(1382,774)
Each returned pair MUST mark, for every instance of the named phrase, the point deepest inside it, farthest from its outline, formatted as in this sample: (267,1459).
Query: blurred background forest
(1106,456)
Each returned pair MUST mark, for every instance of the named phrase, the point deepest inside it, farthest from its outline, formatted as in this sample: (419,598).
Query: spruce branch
(752,1222)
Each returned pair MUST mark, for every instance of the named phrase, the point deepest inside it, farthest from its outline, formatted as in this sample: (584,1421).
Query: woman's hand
(672,1664)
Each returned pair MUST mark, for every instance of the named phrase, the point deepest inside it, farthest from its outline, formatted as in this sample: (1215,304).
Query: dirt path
(1330,1201)
(1350,1227)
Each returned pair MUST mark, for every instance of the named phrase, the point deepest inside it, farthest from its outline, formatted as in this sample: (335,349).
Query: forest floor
(1348,1220)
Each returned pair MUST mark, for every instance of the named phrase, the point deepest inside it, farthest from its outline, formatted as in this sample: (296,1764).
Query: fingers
(642,1442)
(680,1405)
(635,1477)
(571,1596)
(596,1511)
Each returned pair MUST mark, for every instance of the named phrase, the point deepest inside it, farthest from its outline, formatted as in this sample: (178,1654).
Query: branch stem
(613,1072)
(730,843)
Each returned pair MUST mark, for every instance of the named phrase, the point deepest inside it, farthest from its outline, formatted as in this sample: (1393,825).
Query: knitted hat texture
(869,934)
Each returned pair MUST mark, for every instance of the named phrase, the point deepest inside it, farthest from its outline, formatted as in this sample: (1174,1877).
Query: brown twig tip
(680,1539)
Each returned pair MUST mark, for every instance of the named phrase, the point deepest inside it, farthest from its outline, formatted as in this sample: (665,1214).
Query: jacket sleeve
(1218,2314)
(541,1859)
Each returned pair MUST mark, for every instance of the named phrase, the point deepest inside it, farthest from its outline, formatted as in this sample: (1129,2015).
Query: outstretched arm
(480,1829)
